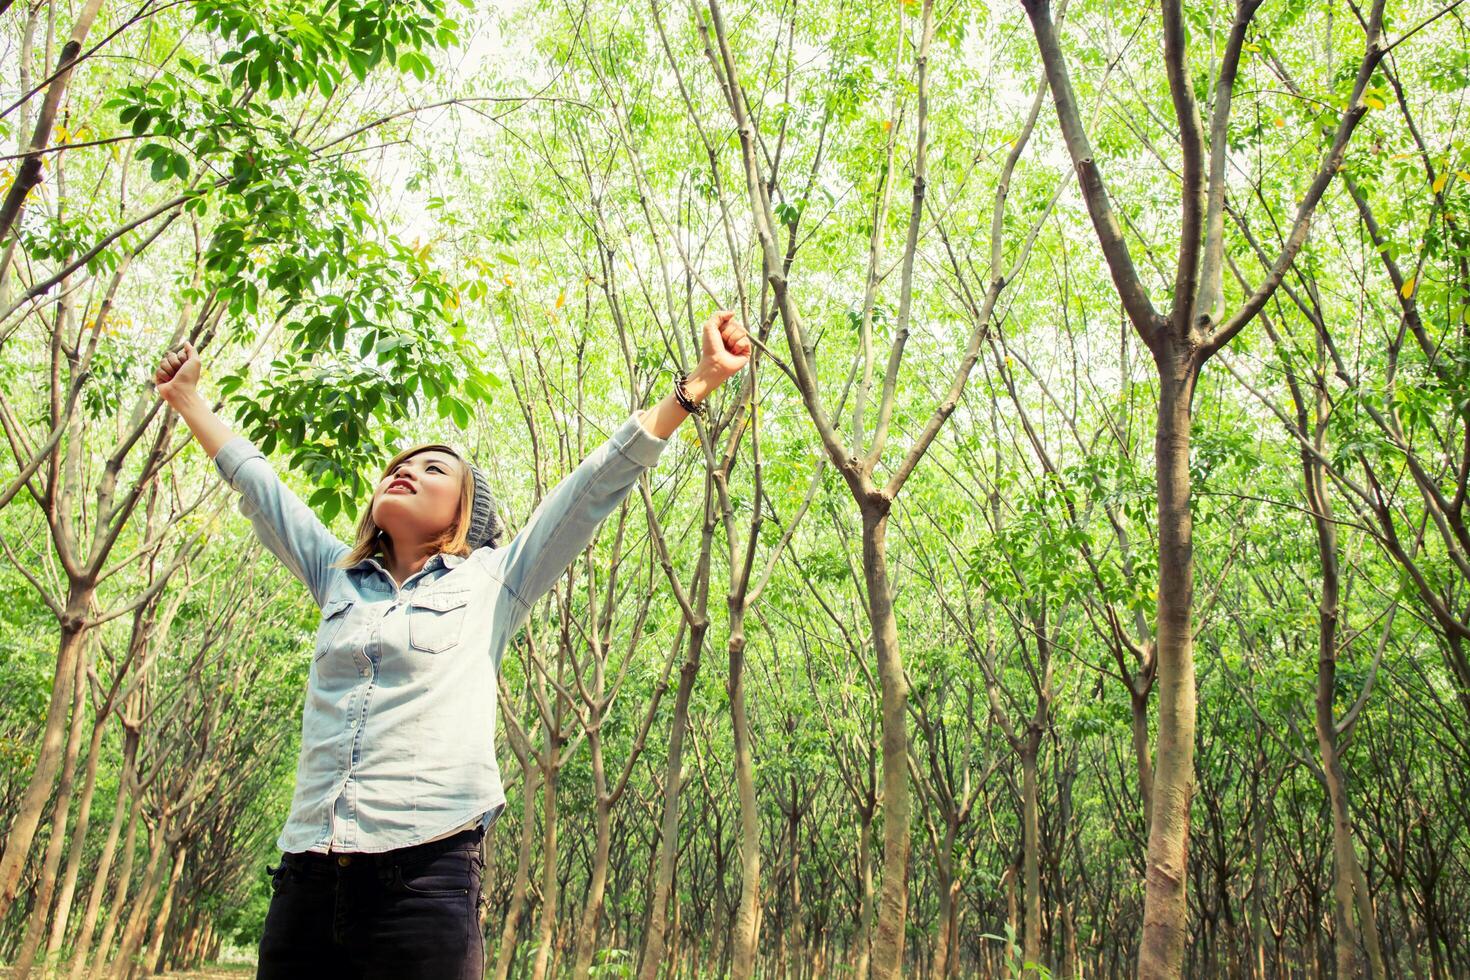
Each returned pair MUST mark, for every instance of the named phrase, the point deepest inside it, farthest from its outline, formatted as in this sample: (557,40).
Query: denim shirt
(398,731)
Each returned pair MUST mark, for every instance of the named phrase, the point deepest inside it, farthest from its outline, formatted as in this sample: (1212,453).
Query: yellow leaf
(508,280)
(561,299)
(452,302)
(887,125)
(1407,289)
(1463,175)
(1440,181)
(1280,122)
(1373,102)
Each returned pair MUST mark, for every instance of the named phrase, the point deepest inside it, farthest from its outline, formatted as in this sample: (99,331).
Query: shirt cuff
(232,455)
(637,443)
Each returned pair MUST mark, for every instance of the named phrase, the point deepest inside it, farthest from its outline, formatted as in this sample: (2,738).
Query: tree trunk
(132,936)
(663,885)
(893,903)
(46,886)
(1142,754)
(947,887)
(83,941)
(1030,850)
(149,965)
(1347,872)
(119,894)
(65,896)
(520,884)
(597,880)
(865,905)
(48,760)
(549,889)
(745,934)
(1166,909)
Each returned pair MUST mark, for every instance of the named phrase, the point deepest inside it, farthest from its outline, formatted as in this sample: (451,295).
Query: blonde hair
(373,540)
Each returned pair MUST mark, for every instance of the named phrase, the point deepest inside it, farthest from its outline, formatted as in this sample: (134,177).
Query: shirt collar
(447,560)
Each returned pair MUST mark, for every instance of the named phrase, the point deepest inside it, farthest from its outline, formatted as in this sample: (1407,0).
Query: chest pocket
(435,620)
(335,614)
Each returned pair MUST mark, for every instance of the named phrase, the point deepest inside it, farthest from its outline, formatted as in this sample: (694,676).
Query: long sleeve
(568,517)
(286,526)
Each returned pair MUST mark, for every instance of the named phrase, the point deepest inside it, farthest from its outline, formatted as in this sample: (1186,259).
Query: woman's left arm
(567,518)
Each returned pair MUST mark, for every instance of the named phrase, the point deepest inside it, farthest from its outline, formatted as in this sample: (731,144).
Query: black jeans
(407,913)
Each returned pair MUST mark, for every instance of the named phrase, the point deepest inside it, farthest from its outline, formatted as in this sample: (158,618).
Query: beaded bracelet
(682,397)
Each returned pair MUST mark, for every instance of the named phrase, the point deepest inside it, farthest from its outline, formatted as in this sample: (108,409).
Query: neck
(404,562)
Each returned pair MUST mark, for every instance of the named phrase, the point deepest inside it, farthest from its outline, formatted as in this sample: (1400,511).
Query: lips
(403,485)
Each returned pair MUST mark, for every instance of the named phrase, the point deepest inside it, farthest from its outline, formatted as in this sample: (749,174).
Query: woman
(397,780)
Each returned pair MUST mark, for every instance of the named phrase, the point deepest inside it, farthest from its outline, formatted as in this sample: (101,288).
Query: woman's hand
(177,376)
(177,383)
(726,350)
(726,347)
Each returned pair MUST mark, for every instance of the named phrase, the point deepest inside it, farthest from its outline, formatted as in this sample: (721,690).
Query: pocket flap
(335,607)
(441,601)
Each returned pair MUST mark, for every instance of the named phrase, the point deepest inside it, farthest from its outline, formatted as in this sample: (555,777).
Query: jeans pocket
(449,874)
(277,875)
(436,619)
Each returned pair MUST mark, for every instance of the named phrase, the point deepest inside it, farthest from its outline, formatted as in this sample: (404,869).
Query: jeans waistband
(398,855)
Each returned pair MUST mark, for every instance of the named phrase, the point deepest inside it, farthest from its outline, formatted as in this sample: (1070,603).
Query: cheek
(446,502)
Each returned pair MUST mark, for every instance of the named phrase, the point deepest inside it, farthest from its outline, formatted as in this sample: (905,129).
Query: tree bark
(48,760)
(1031,850)
(888,942)
(551,771)
(120,892)
(655,934)
(505,955)
(1166,910)
(865,904)
(149,964)
(1142,752)
(46,886)
(132,935)
(745,928)
(597,878)
(74,854)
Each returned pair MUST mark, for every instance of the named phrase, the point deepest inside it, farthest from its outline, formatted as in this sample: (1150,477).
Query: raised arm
(570,514)
(286,526)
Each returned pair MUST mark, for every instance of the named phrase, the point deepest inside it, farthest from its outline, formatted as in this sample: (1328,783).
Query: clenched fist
(726,344)
(178,373)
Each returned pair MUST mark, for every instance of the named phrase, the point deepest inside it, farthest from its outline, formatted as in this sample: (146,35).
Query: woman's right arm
(286,526)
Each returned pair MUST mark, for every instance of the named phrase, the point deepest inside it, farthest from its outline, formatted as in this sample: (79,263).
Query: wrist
(703,380)
(183,400)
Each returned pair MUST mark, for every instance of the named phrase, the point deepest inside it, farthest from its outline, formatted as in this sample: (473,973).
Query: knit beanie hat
(485,525)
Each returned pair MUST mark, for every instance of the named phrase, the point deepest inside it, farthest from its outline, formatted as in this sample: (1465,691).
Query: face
(418,499)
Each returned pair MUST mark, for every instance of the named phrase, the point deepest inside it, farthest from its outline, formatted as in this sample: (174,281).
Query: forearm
(662,419)
(206,426)
(567,518)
